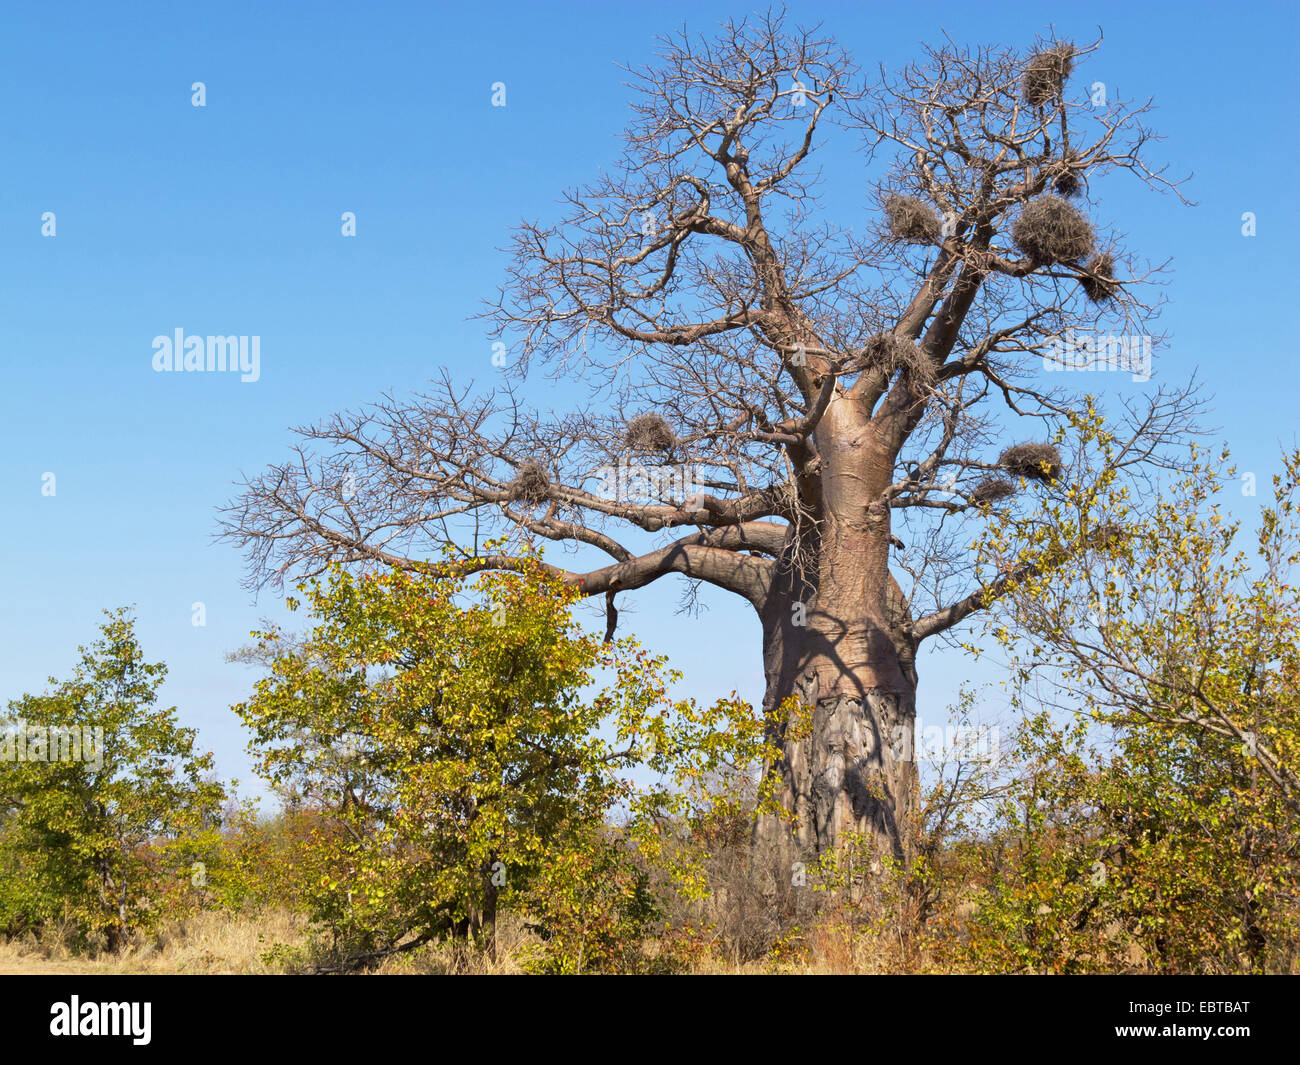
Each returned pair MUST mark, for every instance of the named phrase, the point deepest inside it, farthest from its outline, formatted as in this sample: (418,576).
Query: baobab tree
(794,394)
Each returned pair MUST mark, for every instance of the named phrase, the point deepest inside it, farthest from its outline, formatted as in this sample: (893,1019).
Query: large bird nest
(992,490)
(909,221)
(1045,75)
(649,432)
(1034,462)
(894,354)
(1098,282)
(1069,183)
(530,484)
(1050,230)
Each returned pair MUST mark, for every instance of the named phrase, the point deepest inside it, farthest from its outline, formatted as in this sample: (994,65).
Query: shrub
(88,843)
(474,767)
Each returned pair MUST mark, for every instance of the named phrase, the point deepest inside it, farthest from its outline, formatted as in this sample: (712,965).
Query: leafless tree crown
(696,281)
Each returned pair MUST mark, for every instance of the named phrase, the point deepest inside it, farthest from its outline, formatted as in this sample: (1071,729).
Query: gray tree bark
(837,638)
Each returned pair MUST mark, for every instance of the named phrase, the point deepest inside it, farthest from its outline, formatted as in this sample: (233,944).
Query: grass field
(211,943)
(221,944)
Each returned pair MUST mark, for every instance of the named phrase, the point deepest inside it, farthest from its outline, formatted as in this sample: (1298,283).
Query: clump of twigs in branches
(992,490)
(894,354)
(1051,230)
(1034,462)
(1046,73)
(649,432)
(909,221)
(1098,281)
(1069,182)
(530,484)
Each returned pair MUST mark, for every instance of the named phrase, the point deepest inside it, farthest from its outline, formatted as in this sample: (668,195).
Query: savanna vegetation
(467,777)
(470,780)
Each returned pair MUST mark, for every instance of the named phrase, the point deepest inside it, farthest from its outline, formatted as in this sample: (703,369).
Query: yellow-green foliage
(1174,850)
(90,844)
(1156,856)
(458,750)
(445,726)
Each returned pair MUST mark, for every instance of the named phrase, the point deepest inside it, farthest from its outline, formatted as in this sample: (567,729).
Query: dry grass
(443,959)
(223,944)
(216,943)
(209,943)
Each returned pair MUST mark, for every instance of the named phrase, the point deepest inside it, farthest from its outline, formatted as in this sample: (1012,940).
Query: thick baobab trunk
(847,763)
(836,637)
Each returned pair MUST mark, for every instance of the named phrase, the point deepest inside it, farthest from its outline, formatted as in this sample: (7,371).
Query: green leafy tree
(444,726)
(98,789)
(1172,826)
(1153,855)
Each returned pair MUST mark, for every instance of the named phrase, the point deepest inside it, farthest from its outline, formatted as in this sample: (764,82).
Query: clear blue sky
(225,219)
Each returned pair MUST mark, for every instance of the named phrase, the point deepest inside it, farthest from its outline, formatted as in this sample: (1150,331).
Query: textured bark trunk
(837,637)
(116,933)
(848,767)
(489,921)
